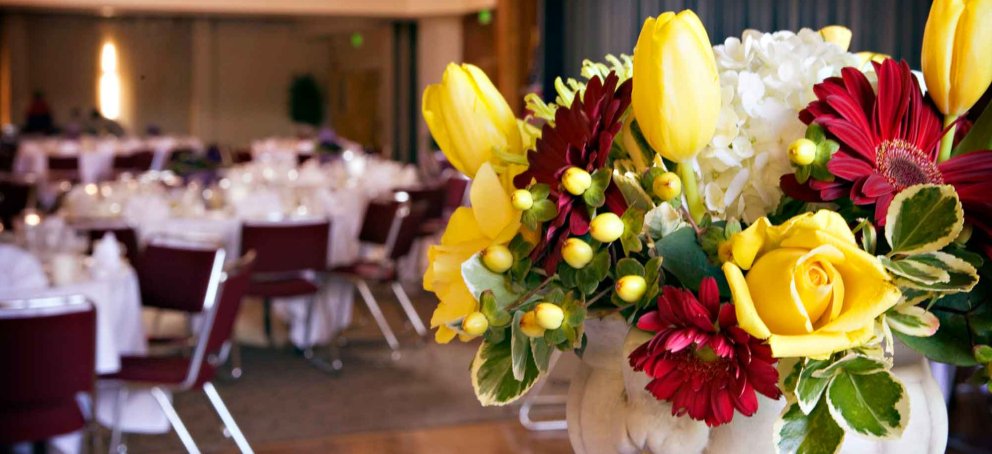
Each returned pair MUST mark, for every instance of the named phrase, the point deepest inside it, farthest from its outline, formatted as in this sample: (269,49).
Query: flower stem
(691,190)
(947,142)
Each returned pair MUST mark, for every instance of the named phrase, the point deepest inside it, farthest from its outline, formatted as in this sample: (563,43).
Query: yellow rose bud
(808,288)
(837,34)
(529,325)
(522,199)
(577,253)
(667,186)
(475,324)
(802,152)
(606,227)
(957,43)
(865,57)
(631,288)
(497,258)
(676,93)
(576,180)
(468,118)
(549,315)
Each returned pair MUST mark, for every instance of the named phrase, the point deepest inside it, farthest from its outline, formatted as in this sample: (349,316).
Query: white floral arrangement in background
(766,79)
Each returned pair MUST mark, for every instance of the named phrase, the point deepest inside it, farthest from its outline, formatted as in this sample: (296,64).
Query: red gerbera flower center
(904,164)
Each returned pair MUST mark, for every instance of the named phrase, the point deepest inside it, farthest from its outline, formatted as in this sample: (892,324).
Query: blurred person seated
(39,116)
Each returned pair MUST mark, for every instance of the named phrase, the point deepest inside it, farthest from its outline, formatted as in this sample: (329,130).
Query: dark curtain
(578,29)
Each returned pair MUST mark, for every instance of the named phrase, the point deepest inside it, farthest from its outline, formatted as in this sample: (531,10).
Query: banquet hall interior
(230,204)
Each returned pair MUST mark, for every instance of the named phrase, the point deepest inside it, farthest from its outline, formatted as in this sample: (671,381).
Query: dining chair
(48,356)
(456,186)
(160,374)
(124,235)
(138,161)
(15,196)
(178,276)
(63,168)
(289,257)
(392,225)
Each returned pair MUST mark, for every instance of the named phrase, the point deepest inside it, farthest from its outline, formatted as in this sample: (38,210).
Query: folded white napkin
(107,254)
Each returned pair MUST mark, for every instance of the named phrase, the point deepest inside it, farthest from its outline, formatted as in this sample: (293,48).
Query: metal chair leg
(236,370)
(116,443)
(307,341)
(173,417)
(407,306)
(380,319)
(267,320)
(228,420)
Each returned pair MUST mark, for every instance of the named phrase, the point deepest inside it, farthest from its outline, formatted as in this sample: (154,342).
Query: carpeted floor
(281,397)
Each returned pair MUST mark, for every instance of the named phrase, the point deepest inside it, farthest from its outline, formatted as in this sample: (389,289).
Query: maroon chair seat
(370,271)
(48,355)
(283,288)
(139,161)
(63,168)
(151,369)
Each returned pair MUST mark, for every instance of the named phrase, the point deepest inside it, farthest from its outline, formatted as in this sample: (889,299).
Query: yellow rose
(491,220)
(809,289)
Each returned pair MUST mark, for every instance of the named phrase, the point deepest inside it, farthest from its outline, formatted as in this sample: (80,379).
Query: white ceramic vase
(610,412)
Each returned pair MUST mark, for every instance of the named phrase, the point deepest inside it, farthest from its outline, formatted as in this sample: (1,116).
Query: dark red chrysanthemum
(889,140)
(700,360)
(581,136)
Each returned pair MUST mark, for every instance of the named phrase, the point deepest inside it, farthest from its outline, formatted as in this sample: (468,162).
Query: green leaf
(496,314)
(854,364)
(816,433)
(684,258)
(595,196)
(824,151)
(810,386)
(632,191)
(542,211)
(962,276)
(803,173)
(816,133)
(980,135)
(965,320)
(478,279)
(633,222)
(869,237)
(874,405)
(983,353)
(629,267)
(923,218)
(915,271)
(589,278)
(541,352)
(519,348)
(492,374)
(912,321)
(662,220)
(540,191)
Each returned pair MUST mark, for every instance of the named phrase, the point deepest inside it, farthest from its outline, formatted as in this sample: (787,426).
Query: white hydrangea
(767,78)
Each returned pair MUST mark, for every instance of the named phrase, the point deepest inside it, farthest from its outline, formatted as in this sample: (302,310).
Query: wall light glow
(110,82)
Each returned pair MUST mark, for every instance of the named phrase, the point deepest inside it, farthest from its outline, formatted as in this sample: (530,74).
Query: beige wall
(224,79)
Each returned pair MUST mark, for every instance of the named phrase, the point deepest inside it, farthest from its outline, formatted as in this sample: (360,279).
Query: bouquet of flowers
(774,211)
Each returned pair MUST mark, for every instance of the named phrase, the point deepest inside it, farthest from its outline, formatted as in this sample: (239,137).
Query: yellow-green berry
(576,180)
(606,227)
(497,258)
(549,315)
(475,324)
(577,253)
(802,152)
(667,186)
(631,288)
(529,325)
(522,199)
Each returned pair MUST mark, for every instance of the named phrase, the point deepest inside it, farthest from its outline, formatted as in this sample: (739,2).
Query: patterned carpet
(281,397)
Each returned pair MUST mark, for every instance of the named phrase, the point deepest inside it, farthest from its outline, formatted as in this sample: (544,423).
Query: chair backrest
(48,355)
(456,186)
(379,221)
(393,224)
(181,277)
(14,198)
(406,234)
(140,160)
(63,162)
(124,234)
(433,198)
(208,353)
(284,247)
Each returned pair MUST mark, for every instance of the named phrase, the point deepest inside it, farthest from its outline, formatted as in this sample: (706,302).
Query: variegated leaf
(923,218)
(912,320)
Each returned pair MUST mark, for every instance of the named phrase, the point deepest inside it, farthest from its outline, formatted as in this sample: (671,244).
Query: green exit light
(357,40)
(485,17)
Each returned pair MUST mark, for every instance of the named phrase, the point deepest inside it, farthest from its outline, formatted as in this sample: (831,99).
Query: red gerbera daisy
(700,360)
(582,136)
(889,141)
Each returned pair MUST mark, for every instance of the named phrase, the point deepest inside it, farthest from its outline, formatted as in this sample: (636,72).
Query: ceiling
(368,8)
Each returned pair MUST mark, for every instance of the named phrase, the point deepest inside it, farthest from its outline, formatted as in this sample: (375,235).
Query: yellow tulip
(676,93)
(469,118)
(809,289)
(491,220)
(837,34)
(957,53)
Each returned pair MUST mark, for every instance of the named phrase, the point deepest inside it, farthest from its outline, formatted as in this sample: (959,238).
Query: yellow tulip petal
(434,113)
(462,228)
(443,335)
(491,205)
(938,49)
(455,304)
(747,316)
(496,107)
(748,243)
(819,344)
(971,68)
(837,34)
